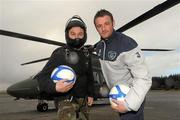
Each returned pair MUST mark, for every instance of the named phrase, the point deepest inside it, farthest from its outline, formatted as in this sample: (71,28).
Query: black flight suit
(84,82)
(83,87)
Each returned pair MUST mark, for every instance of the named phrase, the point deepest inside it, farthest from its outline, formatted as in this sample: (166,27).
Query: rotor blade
(157,49)
(35,61)
(151,13)
(93,49)
(30,38)
(94,59)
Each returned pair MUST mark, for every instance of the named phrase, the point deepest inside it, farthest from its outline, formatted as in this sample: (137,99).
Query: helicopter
(28,89)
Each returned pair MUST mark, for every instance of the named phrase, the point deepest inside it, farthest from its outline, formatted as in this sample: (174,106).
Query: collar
(74,49)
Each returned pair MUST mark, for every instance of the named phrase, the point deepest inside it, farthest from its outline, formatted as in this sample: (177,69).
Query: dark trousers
(133,115)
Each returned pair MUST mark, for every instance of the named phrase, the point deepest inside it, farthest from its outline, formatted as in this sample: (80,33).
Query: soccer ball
(63,72)
(118,92)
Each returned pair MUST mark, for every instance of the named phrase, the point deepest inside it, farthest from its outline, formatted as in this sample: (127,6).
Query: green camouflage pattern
(73,110)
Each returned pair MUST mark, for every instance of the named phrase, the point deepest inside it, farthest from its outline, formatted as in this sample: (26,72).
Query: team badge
(112,55)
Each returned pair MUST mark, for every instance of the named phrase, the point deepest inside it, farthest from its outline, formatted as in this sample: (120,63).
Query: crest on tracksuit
(112,55)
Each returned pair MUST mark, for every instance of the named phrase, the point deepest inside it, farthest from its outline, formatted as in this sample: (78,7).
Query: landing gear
(56,104)
(42,106)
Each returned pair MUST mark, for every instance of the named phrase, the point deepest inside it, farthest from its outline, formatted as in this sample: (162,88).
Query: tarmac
(160,105)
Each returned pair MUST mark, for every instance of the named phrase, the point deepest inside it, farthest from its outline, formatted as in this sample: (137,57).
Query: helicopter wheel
(42,107)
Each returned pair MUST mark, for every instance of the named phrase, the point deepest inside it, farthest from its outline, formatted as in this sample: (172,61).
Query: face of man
(104,26)
(76,32)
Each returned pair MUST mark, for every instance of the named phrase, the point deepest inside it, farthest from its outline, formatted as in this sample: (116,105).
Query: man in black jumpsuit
(76,96)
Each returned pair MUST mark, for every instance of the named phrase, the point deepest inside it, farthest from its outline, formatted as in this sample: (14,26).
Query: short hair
(102,13)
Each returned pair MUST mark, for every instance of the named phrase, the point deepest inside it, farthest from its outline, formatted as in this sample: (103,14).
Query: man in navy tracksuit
(122,62)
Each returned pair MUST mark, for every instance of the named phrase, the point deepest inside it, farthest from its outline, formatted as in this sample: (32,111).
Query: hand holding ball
(118,92)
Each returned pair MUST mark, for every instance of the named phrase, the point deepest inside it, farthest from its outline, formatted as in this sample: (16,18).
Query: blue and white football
(63,72)
(118,92)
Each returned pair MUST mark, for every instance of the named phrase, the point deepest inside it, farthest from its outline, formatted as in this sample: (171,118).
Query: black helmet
(75,21)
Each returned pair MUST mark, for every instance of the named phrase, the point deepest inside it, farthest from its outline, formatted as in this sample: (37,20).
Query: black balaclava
(75,21)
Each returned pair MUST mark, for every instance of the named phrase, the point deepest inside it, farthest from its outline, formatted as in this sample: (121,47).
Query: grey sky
(47,18)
